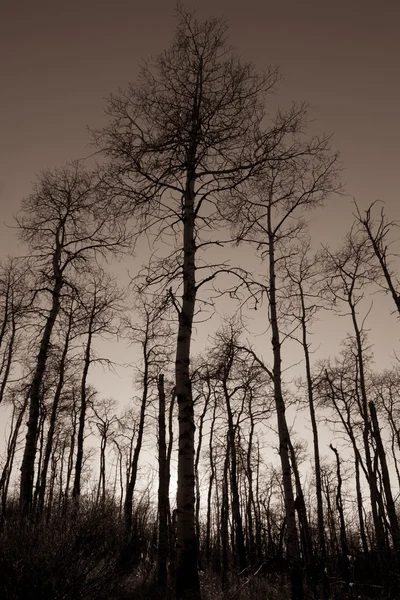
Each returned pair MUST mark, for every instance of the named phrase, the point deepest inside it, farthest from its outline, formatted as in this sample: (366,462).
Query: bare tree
(270,215)
(335,391)
(390,505)
(305,271)
(225,364)
(16,298)
(54,413)
(189,130)
(18,396)
(348,270)
(242,393)
(65,224)
(100,303)
(386,393)
(152,334)
(105,420)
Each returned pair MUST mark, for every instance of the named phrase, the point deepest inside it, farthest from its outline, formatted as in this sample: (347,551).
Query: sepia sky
(58,60)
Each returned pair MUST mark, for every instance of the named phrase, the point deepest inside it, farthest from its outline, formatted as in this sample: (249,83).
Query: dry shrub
(71,556)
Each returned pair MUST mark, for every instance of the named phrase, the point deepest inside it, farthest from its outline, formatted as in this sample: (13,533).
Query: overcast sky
(60,59)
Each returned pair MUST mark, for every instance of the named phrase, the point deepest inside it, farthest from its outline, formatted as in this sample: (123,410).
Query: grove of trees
(235,502)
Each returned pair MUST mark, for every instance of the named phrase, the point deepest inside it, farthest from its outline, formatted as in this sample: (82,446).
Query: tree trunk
(366,429)
(257,508)
(130,488)
(331,520)
(70,464)
(390,506)
(7,363)
(76,491)
(187,578)
(163,508)
(28,461)
(343,536)
(53,417)
(11,450)
(293,554)
(5,320)
(224,528)
(196,465)
(231,448)
(41,428)
(250,499)
(360,506)
(119,475)
(52,482)
(321,556)
(301,510)
(61,474)
(210,486)
(101,485)
(171,518)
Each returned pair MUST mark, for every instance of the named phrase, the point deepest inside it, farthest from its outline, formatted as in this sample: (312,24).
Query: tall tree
(304,270)
(59,389)
(190,129)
